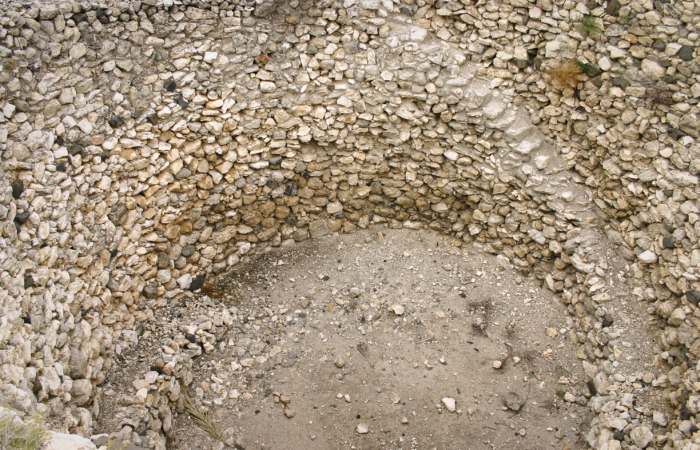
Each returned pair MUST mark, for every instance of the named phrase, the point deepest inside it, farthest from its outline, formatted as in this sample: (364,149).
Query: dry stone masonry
(147,145)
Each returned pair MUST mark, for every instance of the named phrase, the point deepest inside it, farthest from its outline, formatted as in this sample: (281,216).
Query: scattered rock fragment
(394,397)
(641,436)
(513,401)
(648,257)
(659,418)
(397,309)
(450,404)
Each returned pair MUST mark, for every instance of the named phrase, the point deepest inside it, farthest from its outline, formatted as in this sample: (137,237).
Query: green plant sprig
(588,26)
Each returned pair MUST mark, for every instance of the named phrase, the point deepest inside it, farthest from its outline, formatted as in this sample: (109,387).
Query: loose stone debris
(449,404)
(152,148)
(513,401)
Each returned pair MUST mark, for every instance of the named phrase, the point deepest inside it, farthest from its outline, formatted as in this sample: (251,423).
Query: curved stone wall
(148,144)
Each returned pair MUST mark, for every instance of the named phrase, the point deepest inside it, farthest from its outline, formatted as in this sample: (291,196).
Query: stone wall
(148,144)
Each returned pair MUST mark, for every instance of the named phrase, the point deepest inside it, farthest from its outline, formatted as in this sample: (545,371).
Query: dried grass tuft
(658,94)
(18,435)
(565,76)
(202,419)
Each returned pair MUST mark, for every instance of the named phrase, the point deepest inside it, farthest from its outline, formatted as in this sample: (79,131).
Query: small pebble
(398,309)
(450,404)
(513,401)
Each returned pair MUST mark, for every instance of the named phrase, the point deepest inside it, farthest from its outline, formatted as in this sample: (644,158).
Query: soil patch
(379,339)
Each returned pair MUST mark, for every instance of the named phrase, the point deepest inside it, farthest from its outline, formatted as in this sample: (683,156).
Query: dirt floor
(365,341)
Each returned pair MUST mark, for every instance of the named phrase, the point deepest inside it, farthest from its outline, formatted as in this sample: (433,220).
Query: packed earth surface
(433,319)
(424,224)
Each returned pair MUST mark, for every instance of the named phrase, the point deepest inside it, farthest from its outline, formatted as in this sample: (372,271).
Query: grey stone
(689,124)
(48,12)
(613,7)
(183,173)
(686,53)
(82,389)
(668,242)
(118,214)
(265,9)
(100,439)
(621,82)
(151,290)
(79,361)
(319,228)
(513,401)
(659,45)
(163,260)
(592,70)
(693,297)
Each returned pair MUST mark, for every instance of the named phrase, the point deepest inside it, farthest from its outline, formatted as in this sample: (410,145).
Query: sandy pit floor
(379,339)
